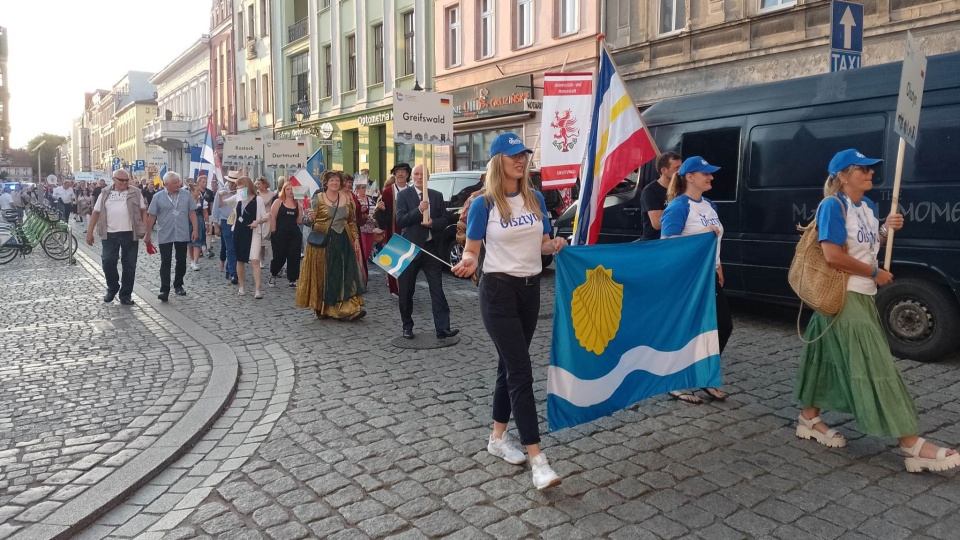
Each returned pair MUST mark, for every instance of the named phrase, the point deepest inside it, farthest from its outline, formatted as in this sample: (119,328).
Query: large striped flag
(209,160)
(619,143)
(631,321)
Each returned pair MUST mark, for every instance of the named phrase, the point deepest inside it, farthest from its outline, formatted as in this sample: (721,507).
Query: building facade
(223,97)
(492,54)
(4,95)
(18,173)
(128,127)
(669,48)
(183,107)
(338,64)
(254,91)
(102,147)
(80,145)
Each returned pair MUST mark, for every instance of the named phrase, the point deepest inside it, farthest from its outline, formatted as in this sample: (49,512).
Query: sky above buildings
(59,49)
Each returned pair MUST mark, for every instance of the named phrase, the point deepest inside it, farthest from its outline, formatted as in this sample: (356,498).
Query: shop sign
(292,134)
(375,118)
(496,98)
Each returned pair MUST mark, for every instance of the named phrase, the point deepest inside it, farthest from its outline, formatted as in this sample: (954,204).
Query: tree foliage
(48,152)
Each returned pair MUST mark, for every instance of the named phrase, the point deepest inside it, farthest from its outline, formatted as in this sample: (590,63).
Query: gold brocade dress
(330,280)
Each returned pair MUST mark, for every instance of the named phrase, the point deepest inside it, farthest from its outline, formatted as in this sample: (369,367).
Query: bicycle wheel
(59,245)
(8,254)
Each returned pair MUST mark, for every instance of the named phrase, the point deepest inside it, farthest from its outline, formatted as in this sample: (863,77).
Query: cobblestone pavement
(84,386)
(335,433)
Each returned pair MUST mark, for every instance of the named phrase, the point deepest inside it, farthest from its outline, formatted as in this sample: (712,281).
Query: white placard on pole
(289,155)
(422,118)
(911,92)
(907,122)
(242,150)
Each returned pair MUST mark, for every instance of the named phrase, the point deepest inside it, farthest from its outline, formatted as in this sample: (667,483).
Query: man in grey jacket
(119,218)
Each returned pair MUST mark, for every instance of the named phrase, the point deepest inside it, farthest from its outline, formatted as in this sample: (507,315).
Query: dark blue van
(773,143)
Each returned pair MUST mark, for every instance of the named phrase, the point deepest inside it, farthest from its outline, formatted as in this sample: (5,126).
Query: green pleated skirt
(850,369)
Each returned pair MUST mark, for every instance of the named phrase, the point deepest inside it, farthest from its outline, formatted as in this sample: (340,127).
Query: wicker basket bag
(818,284)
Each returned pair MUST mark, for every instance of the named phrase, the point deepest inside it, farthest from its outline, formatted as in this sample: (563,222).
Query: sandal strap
(831,433)
(942,453)
(915,450)
(811,422)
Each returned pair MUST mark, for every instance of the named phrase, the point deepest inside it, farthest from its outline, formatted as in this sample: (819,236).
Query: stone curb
(76,515)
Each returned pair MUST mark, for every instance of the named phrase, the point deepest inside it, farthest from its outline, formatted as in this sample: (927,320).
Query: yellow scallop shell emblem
(386,260)
(596,309)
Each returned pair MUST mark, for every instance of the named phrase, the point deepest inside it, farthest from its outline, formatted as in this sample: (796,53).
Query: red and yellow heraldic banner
(567,101)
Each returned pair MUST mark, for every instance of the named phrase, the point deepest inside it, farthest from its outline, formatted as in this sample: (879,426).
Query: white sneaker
(196,267)
(240,292)
(502,448)
(272,282)
(543,475)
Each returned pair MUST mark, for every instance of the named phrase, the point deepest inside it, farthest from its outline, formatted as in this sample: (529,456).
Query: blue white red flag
(196,163)
(631,321)
(210,161)
(619,143)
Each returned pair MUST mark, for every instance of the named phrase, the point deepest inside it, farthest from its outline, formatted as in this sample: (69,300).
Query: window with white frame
(243,99)
(409,63)
(623,13)
(774,4)
(300,81)
(377,32)
(672,16)
(568,17)
(351,47)
(263,18)
(251,24)
(254,104)
(454,39)
(324,4)
(525,18)
(486,28)
(267,94)
(327,71)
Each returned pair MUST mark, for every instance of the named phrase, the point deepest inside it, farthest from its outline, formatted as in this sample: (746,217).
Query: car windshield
(444,185)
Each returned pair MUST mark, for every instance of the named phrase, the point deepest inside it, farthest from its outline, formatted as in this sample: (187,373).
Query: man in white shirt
(119,217)
(6,199)
(65,199)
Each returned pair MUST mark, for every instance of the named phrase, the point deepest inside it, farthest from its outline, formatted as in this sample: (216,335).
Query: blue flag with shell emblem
(631,321)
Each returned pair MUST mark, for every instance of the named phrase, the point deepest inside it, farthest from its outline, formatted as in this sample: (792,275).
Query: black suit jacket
(409,218)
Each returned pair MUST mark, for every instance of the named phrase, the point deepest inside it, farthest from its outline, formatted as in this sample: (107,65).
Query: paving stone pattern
(84,387)
(336,434)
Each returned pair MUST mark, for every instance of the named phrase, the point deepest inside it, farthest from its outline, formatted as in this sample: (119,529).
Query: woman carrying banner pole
(846,365)
(689,212)
(511,222)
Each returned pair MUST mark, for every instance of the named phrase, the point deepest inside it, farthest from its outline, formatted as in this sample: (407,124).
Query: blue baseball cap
(697,164)
(849,157)
(509,144)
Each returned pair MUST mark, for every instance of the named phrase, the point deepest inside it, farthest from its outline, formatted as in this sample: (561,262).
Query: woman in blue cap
(689,212)
(846,366)
(511,220)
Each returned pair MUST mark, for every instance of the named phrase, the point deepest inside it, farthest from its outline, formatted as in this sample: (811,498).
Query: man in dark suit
(411,206)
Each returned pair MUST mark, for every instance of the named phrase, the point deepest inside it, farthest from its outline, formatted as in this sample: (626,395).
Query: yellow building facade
(128,130)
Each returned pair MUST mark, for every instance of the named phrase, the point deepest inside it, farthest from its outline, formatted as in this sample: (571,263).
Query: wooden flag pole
(895,203)
(426,194)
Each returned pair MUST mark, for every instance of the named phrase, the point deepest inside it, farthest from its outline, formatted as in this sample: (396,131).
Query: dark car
(773,143)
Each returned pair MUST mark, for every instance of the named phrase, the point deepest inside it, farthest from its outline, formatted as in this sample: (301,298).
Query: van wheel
(922,320)
(454,253)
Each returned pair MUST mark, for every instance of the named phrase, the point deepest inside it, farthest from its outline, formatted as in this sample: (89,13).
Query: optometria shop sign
(423,118)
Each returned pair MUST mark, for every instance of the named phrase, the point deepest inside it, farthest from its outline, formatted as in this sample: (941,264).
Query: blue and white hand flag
(631,321)
(396,256)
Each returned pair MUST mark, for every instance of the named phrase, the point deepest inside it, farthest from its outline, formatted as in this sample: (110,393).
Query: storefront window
(472,150)
(404,153)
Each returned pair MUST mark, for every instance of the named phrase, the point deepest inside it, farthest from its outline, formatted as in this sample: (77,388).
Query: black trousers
(433,270)
(286,250)
(119,247)
(179,271)
(724,318)
(509,312)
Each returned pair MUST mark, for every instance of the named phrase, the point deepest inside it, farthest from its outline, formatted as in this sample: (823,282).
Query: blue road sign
(140,165)
(842,60)
(846,26)
(116,163)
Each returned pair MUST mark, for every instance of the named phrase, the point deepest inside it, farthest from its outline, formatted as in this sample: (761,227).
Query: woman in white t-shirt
(689,212)
(512,221)
(846,365)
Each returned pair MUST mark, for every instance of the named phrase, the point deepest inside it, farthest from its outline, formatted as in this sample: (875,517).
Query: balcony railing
(304,107)
(298,30)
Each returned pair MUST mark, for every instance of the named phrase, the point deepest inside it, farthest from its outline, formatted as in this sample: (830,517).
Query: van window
(720,147)
(797,154)
(938,141)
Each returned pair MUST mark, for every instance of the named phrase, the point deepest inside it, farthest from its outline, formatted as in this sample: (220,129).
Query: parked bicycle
(40,227)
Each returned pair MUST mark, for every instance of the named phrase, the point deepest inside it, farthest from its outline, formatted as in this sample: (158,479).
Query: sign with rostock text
(156,158)
(567,102)
(242,151)
(286,155)
(914,73)
(422,118)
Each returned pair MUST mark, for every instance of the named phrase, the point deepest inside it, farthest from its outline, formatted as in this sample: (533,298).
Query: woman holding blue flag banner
(511,221)
(689,212)
(846,364)
(330,281)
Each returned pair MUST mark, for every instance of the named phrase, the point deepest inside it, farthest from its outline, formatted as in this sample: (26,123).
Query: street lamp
(312,130)
(37,150)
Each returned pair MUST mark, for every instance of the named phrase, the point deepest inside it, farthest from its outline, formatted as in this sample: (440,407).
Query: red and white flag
(565,121)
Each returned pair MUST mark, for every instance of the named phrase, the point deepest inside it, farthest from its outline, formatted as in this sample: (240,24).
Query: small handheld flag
(396,256)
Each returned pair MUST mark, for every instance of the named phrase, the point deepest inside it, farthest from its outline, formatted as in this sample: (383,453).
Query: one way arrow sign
(846,35)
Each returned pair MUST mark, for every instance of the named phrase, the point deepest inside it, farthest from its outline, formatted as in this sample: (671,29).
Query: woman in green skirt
(850,368)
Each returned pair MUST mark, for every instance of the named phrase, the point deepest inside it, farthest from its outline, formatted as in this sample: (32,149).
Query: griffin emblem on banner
(567,132)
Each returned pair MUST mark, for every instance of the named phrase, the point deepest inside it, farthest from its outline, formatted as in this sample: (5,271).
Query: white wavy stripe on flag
(587,392)
(395,271)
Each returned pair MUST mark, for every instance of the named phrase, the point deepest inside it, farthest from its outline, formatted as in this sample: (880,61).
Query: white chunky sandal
(914,463)
(831,439)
